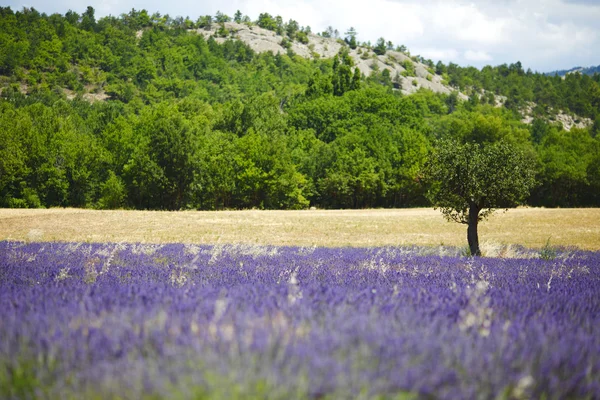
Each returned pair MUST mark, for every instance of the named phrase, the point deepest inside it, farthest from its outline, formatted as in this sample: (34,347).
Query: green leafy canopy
(486,176)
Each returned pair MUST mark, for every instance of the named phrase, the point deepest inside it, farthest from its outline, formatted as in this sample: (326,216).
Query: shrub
(112,193)
(548,252)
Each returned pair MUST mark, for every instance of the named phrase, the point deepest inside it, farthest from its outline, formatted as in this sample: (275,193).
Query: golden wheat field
(529,227)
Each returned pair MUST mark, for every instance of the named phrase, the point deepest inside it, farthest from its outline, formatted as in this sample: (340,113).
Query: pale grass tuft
(72,247)
(63,274)
(241,249)
(156,323)
(35,235)
(191,249)
(499,250)
(294,292)
(145,248)
(178,277)
(109,252)
(445,251)
(523,388)
(477,315)
(374,264)
(307,250)
(221,305)
(90,268)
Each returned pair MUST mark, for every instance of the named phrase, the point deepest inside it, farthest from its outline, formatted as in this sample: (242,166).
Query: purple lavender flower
(135,320)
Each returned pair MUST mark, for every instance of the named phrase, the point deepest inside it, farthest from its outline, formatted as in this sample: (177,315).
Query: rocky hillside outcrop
(568,121)
(408,80)
(262,40)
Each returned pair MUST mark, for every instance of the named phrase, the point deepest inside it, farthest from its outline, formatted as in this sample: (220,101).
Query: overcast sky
(544,35)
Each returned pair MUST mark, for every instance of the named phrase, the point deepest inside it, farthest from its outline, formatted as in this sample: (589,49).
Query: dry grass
(529,227)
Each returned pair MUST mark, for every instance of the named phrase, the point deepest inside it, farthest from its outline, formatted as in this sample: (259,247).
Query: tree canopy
(142,111)
(471,180)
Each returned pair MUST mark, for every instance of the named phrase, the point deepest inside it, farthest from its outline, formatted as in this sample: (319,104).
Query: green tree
(221,18)
(471,180)
(237,17)
(353,178)
(88,20)
(302,37)
(205,22)
(161,168)
(350,38)
(265,175)
(380,48)
(215,176)
(266,21)
(112,193)
(342,77)
(15,137)
(565,157)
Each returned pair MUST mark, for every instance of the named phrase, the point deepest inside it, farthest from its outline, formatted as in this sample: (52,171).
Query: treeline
(575,93)
(586,71)
(188,123)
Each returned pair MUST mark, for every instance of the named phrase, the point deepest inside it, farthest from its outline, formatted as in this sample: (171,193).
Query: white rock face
(262,40)
(568,121)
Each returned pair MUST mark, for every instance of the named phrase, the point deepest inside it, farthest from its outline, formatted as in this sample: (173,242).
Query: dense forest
(586,71)
(140,111)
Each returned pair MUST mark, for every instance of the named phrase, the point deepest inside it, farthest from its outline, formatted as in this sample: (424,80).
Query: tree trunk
(472,236)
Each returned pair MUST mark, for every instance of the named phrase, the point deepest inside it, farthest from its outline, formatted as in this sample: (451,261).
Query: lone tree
(471,180)
(351,38)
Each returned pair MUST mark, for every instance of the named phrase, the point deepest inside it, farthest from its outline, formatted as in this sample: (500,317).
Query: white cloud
(542,34)
(443,54)
(477,56)
(465,23)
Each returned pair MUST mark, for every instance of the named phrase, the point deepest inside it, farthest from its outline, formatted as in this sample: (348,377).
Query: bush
(302,37)
(286,44)
(548,252)
(112,193)
(30,199)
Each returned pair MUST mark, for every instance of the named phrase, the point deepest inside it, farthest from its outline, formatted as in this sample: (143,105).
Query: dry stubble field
(529,227)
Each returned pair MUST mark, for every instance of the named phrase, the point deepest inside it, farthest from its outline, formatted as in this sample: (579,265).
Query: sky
(545,35)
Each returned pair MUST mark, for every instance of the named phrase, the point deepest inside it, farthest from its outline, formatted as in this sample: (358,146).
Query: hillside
(409,74)
(148,112)
(408,80)
(584,71)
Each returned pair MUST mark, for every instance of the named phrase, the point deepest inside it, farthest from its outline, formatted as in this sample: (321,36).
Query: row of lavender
(185,321)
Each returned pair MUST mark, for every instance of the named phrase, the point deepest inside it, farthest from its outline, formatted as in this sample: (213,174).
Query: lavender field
(133,321)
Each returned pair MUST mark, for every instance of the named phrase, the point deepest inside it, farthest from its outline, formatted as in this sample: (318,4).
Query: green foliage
(221,18)
(567,168)
(548,252)
(205,22)
(237,17)
(341,79)
(266,21)
(470,180)
(302,37)
(409,68)
(575,93)
(159,117)
(161,169)
(286,44)
(380,48)
(350,38)
(112,193)
(487,176)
